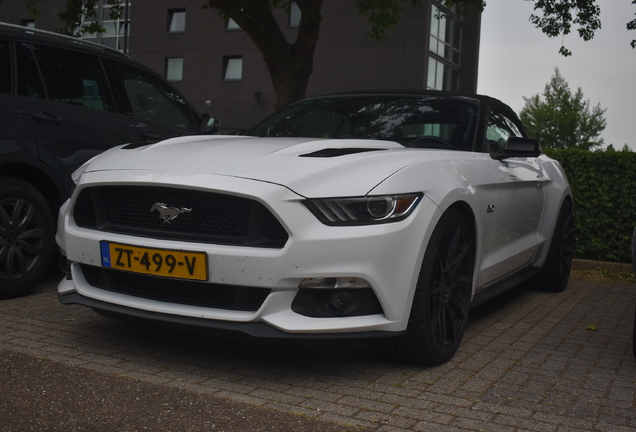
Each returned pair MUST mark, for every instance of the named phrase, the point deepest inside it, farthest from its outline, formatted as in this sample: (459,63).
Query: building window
(441,76)
(176,20)
(294,14)
(116,30)
(232,68)
(230,24)
(174,69)
(444,48)
(30,23)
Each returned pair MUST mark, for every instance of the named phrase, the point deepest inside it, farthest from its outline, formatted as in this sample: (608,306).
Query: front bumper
(259,330)
(387,256)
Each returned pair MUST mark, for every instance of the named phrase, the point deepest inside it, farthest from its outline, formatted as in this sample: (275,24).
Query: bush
(604,189)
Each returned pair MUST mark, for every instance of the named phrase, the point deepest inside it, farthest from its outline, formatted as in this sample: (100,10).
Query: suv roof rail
(60,36)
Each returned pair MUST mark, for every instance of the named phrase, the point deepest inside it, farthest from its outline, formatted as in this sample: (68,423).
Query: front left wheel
(442,296)
(27,237)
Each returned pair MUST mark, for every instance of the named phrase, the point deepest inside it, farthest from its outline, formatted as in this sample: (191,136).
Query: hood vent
(138,144)
(335,152)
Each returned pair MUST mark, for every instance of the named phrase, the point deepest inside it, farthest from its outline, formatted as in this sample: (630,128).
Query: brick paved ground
(530,361)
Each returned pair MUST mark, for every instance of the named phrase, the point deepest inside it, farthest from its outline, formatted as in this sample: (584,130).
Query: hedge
(604,188)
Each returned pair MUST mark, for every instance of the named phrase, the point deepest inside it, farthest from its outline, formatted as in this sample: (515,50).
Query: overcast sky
(517,60)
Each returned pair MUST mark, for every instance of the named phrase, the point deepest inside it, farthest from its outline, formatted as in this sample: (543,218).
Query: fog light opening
(337,302)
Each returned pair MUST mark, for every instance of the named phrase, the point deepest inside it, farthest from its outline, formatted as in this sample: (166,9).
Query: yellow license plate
(158,262)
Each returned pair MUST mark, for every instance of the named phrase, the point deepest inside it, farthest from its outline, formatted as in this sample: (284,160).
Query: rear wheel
(442,296)
(27,236)
(556,271)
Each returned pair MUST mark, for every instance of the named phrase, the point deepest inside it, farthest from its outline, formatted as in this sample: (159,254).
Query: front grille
(175,290)
(213,218)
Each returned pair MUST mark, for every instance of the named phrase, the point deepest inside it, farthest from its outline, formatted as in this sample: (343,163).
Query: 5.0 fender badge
(168,213)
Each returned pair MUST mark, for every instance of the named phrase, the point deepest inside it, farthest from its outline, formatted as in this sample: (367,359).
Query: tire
(634,268)
(442,296)
(556,270)
(27,237)
(634,336)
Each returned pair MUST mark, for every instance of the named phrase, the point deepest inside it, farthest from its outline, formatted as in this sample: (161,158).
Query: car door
(518,208)
(16,141)
(74,107)
(65,99)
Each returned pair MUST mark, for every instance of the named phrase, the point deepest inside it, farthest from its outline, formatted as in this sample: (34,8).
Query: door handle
(44,116)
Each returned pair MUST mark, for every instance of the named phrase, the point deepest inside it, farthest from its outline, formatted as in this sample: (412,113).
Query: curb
(583,265)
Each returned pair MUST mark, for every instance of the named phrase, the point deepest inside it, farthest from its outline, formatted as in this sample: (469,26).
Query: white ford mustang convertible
(383,216)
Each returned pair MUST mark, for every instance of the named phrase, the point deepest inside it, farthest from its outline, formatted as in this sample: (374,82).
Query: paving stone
(388,421)
(528,363)
(335,408)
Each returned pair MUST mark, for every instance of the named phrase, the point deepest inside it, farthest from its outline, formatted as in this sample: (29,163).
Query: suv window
(71,77)
(29,81)
(5,68)
(152,100)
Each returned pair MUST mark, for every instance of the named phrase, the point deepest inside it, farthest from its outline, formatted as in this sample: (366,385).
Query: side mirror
(518,147)
(209,124)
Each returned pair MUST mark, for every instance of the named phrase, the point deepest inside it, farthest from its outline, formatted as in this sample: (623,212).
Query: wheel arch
(468,214)
(548,226)
(467,211)
(450,296)
(47,183)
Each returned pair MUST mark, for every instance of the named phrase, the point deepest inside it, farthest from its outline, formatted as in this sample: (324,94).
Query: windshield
(410,121)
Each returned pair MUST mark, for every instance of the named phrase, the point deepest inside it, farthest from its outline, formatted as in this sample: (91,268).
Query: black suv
(62,101)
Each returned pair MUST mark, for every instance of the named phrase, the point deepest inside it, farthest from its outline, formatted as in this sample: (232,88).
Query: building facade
(219,69)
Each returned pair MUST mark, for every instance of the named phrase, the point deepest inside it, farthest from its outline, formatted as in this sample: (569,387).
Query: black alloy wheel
(27,242)
(442,296)
(556,271)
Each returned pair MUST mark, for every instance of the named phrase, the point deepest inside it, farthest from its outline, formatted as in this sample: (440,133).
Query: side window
(499,129)
(5,67)
(152,100)
(29,81)
(73,78)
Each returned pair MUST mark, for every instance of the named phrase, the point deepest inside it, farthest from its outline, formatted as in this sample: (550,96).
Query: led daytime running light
(334,283)
(363,210)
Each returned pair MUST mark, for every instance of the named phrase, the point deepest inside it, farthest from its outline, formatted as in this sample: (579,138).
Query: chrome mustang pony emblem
(168,213)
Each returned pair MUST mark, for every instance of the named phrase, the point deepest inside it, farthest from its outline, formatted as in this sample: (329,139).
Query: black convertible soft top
(491,102)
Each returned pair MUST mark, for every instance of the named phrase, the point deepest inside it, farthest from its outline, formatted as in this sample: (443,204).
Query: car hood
(307,166)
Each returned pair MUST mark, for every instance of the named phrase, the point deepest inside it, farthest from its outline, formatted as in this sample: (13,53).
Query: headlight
(363,210)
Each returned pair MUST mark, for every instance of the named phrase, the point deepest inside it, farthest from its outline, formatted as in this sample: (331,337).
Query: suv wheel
(27,236)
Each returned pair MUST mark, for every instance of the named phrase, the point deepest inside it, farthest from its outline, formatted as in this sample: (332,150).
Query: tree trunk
(289,64)
(290,72)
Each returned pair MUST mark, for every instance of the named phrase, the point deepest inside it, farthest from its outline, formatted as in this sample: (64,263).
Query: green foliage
(385,14)
(382,14)
(561,119)
(558,16)
(76,9)
(604,189)
(33,9)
